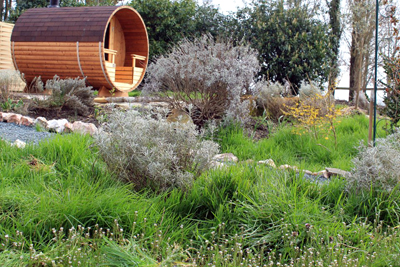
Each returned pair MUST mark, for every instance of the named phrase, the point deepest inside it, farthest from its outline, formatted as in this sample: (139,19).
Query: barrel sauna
(106,44)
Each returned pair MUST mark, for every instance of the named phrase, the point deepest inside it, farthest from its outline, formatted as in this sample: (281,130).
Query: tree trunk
(334,22)
(353,68)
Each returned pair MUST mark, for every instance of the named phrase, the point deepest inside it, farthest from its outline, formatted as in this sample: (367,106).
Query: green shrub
(152,152)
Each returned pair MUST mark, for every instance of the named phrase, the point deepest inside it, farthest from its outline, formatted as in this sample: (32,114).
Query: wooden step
(124,74)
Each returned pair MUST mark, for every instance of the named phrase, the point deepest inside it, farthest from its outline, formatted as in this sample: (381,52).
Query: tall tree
(293,46)
(5,9)
(336,32)
(167,22)
(362,32)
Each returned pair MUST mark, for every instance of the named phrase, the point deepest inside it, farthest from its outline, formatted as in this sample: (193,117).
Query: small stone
(308,172)
(288,167)
(323,173)
(18,143)
(269,162)
(225,158)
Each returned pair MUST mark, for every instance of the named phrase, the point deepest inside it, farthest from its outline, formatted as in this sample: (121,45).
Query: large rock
(337,172)
(68,127)
(14,118)
(84,128)
(5,116)
(323,173)
(180,116)
(57,126)
(26,121)
(223,160)
(41,122)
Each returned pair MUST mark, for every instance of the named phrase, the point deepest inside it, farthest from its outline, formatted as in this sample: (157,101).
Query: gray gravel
(11,132)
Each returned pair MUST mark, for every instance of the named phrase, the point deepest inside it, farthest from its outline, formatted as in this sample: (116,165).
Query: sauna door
(115,40)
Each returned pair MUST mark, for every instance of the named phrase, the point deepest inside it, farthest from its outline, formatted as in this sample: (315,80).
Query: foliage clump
(271,99)
(68,93)
(209,75)
(292,44)
(378,166)
(315,112)
(150,152)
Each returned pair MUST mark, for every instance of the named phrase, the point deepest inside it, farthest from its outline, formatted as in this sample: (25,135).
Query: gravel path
(12,132)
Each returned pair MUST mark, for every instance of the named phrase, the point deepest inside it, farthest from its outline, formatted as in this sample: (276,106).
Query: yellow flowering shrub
(316,114)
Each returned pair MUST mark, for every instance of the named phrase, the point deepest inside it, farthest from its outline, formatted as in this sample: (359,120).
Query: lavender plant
(378,166)
(150,152)
(69,93)
(208,74)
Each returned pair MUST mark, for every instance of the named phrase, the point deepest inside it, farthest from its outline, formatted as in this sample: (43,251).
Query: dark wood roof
(65,24)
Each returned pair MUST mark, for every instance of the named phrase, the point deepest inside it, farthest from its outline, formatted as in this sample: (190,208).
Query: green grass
(245,214)
(135,93)
(304,151)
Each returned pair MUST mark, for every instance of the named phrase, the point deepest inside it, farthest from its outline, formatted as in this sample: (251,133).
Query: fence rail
(368,89)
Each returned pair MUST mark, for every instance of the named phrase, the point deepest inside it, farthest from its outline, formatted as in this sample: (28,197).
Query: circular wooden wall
(108,45)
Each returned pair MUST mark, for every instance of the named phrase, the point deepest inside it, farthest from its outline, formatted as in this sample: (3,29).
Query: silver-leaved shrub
(209,75)
(69,93)
(150,152)
(377,166)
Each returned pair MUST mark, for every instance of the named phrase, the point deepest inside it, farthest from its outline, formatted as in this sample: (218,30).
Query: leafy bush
(209,75)
(291,42)
(68,93)
(378,166)
(151,152)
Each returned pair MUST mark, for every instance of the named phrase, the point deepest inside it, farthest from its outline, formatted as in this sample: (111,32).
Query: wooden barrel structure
(106,44)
